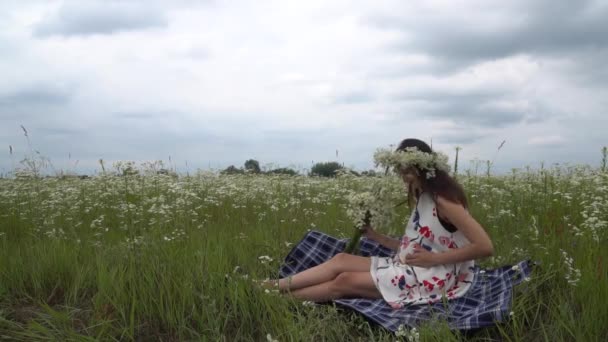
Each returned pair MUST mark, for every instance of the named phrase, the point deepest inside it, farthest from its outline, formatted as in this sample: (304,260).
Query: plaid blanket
(487,302)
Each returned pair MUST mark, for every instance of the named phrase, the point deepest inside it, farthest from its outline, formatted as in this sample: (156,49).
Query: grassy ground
(153,257)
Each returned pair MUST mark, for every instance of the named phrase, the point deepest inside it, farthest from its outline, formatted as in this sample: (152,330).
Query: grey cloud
(461,137)
(59,132)
(138,115)
(542,27)
(397,70)
(36,95)
(476,108)
(32,101)
(477,95)
(354,97)
(77,18)
(587,67)
(466,113)
(113,140)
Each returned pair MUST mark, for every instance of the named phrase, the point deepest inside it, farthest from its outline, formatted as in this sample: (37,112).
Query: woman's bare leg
(341,262)
(348,284)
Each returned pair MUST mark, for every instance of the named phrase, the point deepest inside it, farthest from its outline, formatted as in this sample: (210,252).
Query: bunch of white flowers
(374,206)
(380,199)
(358,207)
(412,156)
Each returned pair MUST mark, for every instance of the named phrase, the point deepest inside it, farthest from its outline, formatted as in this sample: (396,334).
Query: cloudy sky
(213,83)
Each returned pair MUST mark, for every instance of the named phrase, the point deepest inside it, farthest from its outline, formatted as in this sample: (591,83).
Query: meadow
(149,256)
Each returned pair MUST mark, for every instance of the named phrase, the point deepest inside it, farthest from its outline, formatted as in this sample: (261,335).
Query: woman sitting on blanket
(435,257)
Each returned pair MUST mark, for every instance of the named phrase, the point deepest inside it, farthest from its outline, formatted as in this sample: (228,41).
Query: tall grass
(154,257)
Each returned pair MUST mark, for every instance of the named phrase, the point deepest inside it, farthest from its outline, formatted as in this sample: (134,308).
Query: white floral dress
(401,284)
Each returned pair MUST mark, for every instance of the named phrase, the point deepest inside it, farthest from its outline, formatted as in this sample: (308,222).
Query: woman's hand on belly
(421,257)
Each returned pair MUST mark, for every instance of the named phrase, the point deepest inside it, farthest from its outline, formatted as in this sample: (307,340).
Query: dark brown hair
(441,185)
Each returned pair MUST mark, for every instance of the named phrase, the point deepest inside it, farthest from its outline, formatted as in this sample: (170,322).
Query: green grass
(152,257)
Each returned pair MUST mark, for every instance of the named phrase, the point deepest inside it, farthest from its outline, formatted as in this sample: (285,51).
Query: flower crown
(412,156)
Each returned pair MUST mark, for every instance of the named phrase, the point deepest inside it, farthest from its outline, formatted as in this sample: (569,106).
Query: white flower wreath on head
(412,156)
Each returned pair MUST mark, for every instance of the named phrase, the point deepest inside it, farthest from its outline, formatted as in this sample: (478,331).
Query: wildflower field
(148,256)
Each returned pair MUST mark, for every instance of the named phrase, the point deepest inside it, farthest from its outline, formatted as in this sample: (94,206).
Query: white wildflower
(270,339)
(401,331)
(576,230)
(573,275)
(534,229)
(412,335)
(265,259)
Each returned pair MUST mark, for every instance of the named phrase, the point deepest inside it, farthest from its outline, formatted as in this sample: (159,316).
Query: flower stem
(353,244)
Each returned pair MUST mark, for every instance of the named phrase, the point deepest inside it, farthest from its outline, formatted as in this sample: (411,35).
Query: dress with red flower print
(401,284)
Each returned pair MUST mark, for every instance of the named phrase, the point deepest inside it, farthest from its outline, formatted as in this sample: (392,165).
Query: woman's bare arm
(384,240)
(480,244)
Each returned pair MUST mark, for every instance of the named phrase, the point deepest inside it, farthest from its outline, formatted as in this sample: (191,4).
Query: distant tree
(283,171)
(252,166)
(325,169)
(232,170)
(369,173)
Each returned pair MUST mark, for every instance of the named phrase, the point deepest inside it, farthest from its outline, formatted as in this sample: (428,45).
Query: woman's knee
(342,284)
(340,257)
(340,262)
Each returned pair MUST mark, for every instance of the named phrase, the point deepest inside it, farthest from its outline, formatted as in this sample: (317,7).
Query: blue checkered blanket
(487,301)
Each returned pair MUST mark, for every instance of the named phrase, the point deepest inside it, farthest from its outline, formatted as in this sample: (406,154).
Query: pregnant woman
(433,259)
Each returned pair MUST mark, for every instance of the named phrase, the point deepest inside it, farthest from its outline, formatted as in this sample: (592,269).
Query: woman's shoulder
(444,203)
(432,198)
(440,200)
